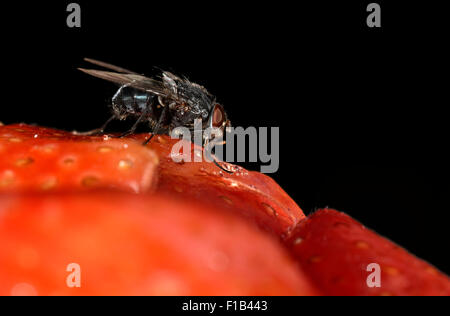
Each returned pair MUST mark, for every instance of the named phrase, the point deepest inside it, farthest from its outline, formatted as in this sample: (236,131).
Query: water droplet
(161,140)
(198,153)
(35,136)
(125,164)
(298,241)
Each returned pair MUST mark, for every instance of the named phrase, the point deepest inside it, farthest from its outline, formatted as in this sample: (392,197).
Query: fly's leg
(101,129)
(158,125)
(135,125)
(96,131)
(214,159)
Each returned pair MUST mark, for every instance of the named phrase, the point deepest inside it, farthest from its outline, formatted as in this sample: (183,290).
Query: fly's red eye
(218,116)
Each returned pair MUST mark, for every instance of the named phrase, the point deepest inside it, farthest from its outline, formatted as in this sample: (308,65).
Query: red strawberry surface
(42,159)
(61,203)
(334,251)
(128,244)
(252,194)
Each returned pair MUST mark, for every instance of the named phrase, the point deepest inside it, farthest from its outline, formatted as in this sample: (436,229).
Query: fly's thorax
(183,115)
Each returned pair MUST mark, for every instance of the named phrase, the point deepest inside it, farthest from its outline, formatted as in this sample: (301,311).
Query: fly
(163,103)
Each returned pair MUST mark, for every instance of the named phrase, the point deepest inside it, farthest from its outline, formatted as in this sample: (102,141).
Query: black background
(361,111)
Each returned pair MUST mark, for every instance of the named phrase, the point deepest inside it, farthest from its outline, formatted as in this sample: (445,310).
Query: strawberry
(335,251)
(46,159)
(251,194)
(126,244)
(41,159)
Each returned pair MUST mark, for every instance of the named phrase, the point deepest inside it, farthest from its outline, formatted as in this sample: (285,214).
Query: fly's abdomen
(131,101)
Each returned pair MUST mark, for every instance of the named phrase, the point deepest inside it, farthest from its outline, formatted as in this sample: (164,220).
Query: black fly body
(164,103)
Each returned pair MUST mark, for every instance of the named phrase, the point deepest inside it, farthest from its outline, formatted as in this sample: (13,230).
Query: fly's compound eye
(218,116)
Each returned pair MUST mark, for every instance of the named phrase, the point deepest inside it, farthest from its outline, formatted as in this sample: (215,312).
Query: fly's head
(195,102)
(217,121)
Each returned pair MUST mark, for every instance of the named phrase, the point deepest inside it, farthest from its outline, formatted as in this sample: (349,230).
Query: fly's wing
(171,76)
(109,66)
(130,79)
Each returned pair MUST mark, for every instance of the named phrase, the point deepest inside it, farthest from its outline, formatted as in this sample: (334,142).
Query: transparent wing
(131,79)
(109,66)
